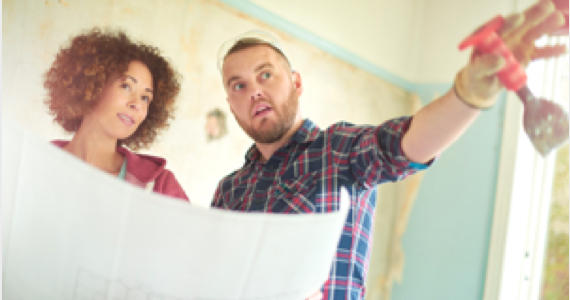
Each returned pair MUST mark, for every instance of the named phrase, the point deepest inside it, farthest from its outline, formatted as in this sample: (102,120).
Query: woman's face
(124,102)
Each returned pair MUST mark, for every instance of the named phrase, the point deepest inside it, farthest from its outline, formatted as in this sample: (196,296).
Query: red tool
(545,122)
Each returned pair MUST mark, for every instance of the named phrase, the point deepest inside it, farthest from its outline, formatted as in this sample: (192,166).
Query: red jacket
(147,171)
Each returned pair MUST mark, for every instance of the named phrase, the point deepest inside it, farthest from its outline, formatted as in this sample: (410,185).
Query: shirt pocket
(294,195)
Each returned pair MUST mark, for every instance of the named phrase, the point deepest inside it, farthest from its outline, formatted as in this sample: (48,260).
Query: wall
(447,240)
(445,23)
(380,32)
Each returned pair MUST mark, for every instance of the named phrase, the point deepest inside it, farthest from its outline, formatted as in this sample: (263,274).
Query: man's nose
(255,95)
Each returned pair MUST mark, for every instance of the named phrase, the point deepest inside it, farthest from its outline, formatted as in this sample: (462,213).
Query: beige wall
(445,23)
(382,32)
(189,32)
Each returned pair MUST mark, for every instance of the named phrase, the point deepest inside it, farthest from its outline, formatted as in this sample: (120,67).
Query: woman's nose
(133,103)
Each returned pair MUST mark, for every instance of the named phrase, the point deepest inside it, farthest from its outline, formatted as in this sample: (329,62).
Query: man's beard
(285,119)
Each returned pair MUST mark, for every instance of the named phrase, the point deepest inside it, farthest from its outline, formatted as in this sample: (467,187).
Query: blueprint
(71,232)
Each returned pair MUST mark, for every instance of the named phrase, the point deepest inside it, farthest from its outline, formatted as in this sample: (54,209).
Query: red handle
(486,40)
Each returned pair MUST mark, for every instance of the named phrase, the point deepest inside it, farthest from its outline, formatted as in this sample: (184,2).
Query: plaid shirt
(306,174)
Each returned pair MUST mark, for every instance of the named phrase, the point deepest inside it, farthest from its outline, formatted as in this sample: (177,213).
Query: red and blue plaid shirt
(306,175)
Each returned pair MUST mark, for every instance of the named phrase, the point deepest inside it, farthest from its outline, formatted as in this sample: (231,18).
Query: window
(554,285)
(523,199)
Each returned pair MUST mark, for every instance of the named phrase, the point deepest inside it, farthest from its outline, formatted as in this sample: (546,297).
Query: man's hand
(477,85)
(562,6)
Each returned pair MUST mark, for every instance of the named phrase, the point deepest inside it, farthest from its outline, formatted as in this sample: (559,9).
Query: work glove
(477,84)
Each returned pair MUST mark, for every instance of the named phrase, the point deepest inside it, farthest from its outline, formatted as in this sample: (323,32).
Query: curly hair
(82,67)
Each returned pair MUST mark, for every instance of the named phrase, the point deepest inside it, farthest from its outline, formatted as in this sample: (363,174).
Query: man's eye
(265,75)
(238,86)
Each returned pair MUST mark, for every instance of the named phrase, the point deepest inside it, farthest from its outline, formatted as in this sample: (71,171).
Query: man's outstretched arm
(437,125)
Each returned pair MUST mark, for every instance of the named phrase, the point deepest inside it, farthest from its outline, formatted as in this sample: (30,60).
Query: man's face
(263,92)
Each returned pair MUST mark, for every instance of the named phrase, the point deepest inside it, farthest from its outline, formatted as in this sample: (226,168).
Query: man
(295,167)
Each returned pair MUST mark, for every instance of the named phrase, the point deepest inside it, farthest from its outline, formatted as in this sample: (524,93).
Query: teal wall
(447,239)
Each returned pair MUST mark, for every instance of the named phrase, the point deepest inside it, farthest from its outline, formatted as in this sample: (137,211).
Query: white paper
(70,231)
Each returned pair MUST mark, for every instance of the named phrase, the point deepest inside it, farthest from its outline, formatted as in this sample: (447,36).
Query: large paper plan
(71,232)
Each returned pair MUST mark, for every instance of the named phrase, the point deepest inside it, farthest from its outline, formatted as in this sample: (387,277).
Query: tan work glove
(477,85)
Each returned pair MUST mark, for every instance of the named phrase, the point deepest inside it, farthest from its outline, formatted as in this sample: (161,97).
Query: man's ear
(231,108)
(297,82)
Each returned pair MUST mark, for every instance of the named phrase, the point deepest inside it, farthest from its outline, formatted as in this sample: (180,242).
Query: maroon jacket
(147,171)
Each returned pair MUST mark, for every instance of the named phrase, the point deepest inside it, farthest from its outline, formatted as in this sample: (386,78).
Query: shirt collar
(307,133)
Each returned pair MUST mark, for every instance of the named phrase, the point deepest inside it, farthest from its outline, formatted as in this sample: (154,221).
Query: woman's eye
(125,86)
(146,99)
(238,86)
(265,75)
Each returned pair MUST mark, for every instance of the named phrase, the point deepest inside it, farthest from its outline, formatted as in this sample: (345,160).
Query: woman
(112,92)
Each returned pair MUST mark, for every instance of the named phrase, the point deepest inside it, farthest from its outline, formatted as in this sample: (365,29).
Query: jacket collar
(145,168)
